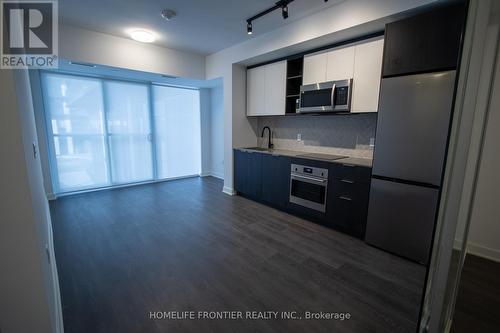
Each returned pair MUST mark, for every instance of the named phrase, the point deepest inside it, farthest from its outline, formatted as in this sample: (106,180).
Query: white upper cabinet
(256,91)
(367,75)
(266,85)
(340,63)
(315,68)
(361,61)
(266,89)
(275,88)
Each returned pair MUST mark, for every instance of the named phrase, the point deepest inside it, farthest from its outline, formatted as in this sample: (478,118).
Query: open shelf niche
(293,83)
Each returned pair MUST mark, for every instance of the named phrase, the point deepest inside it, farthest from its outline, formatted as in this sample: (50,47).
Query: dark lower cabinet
(347,201)
(240,170)
(248,173)
(275,180)
(266,178)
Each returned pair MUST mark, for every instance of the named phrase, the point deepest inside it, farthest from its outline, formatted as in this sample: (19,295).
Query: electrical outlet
(299,137)
(372,142)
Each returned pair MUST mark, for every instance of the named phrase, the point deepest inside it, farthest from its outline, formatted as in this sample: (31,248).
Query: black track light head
(249,27)
(284,12)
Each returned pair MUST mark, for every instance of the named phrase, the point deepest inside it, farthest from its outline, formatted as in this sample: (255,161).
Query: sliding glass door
(177,119)
(129,131)
(108,132)
(77,126)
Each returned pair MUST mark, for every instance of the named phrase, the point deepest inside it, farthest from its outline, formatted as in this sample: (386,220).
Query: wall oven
(331,96)
(308,187)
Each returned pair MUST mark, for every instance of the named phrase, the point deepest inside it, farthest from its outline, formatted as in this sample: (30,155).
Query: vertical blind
(107,132)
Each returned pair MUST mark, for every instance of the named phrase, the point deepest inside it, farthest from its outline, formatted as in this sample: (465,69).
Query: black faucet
(269,143)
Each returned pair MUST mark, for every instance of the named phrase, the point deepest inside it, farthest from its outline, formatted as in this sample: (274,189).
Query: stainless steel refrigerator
(412,131)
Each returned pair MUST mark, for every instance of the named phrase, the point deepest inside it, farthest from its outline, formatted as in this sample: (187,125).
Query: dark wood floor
(478,303)
(185,246)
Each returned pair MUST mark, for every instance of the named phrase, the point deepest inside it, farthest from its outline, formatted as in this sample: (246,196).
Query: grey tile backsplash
(333,134)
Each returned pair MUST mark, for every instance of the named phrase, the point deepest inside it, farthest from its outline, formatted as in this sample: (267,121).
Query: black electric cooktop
(318,156)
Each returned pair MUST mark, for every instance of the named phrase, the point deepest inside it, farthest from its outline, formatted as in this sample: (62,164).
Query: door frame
(477,67)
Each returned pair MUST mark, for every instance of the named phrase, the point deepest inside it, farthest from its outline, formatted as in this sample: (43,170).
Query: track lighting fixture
(283,4)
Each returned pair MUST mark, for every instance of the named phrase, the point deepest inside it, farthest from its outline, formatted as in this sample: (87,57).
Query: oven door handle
(333,96)
(308,179)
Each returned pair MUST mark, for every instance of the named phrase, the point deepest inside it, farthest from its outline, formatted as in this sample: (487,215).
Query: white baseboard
(228,190)
(213,174)
(483,251)
(480,251)
(217,175)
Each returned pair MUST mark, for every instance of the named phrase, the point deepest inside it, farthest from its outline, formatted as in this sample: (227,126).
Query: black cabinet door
(347,200)
(426,42)
(275,180)
(240,171)
(254,176)
(248,173)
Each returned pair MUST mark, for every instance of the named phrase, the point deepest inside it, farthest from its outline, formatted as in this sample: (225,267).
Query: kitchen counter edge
(358,161)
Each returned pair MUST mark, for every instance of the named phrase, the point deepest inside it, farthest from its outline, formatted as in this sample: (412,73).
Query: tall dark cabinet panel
(428,42)
(248,173)
(240,170)
(275,180)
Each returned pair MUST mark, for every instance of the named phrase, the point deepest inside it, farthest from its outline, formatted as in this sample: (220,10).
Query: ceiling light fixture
(283,4)
(249,28)
(142,36)
(284,12)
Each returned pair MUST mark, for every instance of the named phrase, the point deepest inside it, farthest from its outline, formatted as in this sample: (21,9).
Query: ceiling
(201,26)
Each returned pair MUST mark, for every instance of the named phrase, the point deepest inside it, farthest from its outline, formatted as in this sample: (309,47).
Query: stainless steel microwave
(331,96)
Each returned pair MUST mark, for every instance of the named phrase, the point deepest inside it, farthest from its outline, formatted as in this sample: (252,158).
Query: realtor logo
(29,34)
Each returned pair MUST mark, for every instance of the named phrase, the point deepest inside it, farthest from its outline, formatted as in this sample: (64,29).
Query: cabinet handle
(349,165)
(345,198)
(348,181)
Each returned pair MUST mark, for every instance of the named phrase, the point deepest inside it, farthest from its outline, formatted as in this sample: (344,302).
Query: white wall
(217,132)
(345,20)
(205,132)
(29,290)
(36,92)
(484,232)
(212,132)
(98,48)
